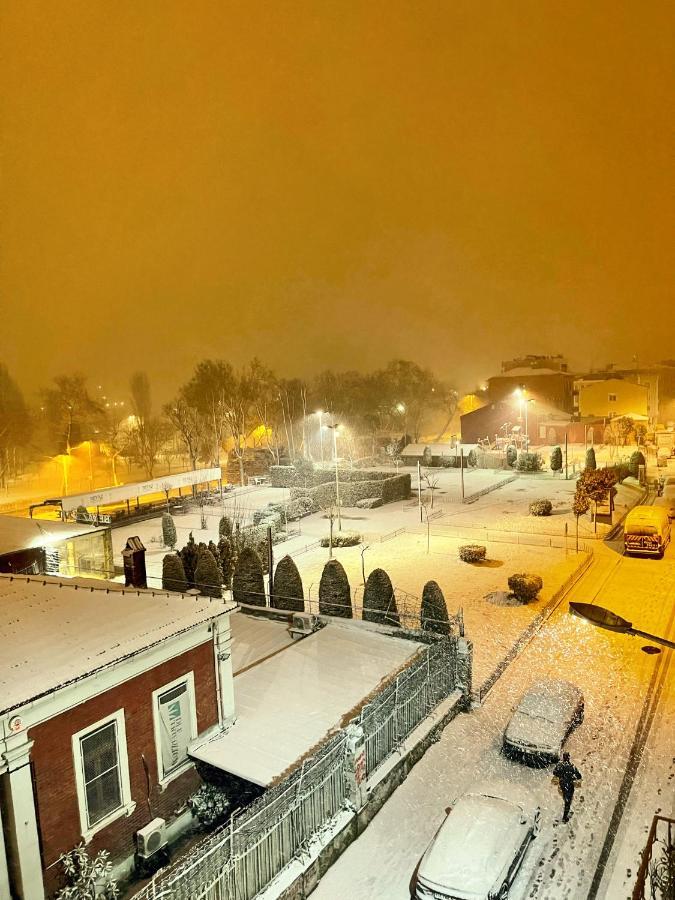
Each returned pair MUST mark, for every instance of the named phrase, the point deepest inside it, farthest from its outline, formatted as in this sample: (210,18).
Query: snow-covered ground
(615,676)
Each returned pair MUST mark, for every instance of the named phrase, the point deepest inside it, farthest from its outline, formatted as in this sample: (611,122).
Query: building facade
(95,727)
(611,397)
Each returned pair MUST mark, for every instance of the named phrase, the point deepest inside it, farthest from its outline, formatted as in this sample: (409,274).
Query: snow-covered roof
(255,638)
(531,372)
(17,533)
(289,702)
(57,631)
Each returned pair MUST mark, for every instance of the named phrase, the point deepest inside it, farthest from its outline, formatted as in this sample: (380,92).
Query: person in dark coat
(567,775)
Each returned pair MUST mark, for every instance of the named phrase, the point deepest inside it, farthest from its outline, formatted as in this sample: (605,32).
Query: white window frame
(611,398)
(189,679)
(127,805)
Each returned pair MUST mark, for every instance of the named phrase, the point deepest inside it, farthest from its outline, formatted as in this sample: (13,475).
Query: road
(620,683)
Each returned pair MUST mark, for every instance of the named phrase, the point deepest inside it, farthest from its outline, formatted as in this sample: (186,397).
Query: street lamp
(319,413)
(334,428)
(605,618)
(527,432)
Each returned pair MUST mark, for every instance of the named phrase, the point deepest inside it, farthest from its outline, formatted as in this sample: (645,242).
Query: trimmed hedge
(287,591)
(335,596)
(471,553)
(434,613)
(173,574)
(541,508)
(529,462)
(342,539)
(525,586)
(379,600)
(248,584)
(390,489)
(208,579)
(369,503)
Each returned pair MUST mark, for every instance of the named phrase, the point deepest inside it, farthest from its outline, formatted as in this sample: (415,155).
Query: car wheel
(536,824)
(503,892)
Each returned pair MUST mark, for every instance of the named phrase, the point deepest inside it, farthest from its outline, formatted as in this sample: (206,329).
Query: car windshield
(642,529)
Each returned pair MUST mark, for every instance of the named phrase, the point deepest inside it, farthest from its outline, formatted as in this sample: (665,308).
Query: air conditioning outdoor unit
(302,625)
(151,838)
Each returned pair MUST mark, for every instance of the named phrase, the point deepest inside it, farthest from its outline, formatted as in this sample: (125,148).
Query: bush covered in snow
(636,460)
(210,805)
(434,612)
(472,459)
(248,585)
(511,455)
(86,877)
(168,530)
(343,539)
(472,553)
(173,574)
(379,601)
(590,462)
(369,503)
(287,592)
(335,596)
(529,462)
(208,579)
(541,508)
(556,459)
(225,527)
(525,586)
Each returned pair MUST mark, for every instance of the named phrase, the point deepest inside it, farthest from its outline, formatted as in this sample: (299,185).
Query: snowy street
(615,676)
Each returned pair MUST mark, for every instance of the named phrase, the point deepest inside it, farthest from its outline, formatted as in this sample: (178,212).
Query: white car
(477,851)
(542,721)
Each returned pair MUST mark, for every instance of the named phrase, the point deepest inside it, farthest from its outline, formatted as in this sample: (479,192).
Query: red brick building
(102,691)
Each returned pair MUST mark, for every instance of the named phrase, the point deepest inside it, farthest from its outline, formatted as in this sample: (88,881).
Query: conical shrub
(189,557)
(248,584)
(288,593)
(173,573)
(335,598)
(207,575)
(379,602)
(168,530)
(434,613)
(225,527)
(226,559)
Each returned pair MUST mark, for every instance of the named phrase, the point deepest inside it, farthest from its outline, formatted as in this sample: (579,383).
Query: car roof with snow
(544,695)
(471,848)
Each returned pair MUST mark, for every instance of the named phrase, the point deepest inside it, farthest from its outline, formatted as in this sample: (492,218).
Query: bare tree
(186,420)
(431,481)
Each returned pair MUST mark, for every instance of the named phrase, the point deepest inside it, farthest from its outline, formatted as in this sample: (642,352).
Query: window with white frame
(102,773)
(611,398)
(175,717)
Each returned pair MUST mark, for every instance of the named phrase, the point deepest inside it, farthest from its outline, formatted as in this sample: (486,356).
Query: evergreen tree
(472,459)
(288,593)
(248,585)
(225,527)
(173,574)
(168,530)
(207,575)
(379,601)
(556,459)
(511,455)
(434,613)
(226,557)
(189,556)
(334,592)
(636,460)
(590,459)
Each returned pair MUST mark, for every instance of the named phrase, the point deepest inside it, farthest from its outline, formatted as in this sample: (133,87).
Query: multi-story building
(611,397)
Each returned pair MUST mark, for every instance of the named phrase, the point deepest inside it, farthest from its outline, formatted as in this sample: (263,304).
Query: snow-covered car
(477,851)
(542,721)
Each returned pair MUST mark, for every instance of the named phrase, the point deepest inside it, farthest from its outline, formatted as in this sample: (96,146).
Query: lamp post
(319,413)
(527,431)
(605,618)
(334,428)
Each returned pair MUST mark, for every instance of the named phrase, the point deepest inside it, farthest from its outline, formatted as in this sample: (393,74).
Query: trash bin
(133,557)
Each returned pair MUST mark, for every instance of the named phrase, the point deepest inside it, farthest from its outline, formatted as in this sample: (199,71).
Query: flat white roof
(58,631)
(17,533)
(255,638)
(288,703)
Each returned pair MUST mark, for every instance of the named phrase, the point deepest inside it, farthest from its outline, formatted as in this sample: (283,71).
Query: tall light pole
(527,432)
(319,413)
(334,429)
(519,391)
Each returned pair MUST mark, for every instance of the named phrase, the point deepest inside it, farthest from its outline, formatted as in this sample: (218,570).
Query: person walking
(567,775)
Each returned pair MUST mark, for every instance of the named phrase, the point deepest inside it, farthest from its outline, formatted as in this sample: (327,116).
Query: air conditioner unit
(151,838)
(302,625)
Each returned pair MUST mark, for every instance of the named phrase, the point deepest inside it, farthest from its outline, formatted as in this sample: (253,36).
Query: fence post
(464,666)
(355,766)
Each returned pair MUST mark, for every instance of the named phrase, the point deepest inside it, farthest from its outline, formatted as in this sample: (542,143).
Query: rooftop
(59,631)
(292,700)
(17,533)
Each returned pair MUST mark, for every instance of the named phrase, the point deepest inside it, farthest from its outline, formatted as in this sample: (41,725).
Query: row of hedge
(394,487)
(308,476)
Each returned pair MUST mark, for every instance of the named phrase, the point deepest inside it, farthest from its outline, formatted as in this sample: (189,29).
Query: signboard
(140,489)
(174,721)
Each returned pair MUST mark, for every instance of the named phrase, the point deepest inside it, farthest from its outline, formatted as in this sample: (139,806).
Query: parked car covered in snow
(477,851)
(542,721)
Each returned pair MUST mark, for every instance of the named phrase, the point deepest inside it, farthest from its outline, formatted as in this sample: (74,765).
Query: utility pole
(461,469)
(270,562)
(419,488)
(565,454)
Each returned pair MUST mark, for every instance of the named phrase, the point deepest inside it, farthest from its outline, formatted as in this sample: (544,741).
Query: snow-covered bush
(434,612)
(168,530)
(511,455)
(556,459)
(173,574)
(590,462)
(87,878)
(225,527)
(335,597)
(208,578)
(636,460)
(525,586)
(210,805)
(529,462)
(472,553)
(472,459)
(369,503)
(343,539)
(541,508)
(248,585)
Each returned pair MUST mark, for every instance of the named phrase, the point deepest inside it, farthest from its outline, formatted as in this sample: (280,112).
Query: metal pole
(461,469)
(337,478)
(565,454)
(321,435)
(419,488)
(270,563)
(527,432)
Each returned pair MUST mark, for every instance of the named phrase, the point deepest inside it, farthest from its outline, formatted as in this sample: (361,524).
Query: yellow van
(647,530)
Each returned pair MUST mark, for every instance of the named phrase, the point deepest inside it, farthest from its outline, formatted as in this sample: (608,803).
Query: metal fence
(243,857)
(471,498)
(656,875)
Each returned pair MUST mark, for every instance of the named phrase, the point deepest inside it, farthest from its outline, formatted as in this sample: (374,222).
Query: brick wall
(54,774)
